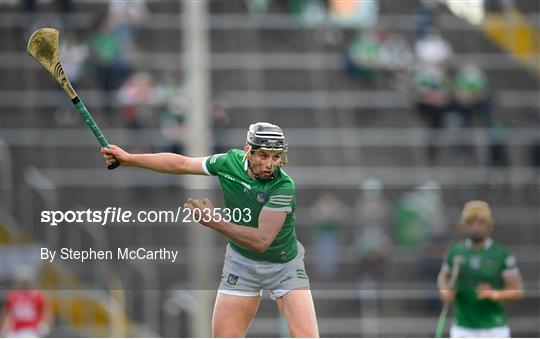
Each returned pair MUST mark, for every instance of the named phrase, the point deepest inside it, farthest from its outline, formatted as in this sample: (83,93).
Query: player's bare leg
(298,309)
(233,315)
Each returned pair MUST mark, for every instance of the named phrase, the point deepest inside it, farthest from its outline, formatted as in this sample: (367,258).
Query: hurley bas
(126,253)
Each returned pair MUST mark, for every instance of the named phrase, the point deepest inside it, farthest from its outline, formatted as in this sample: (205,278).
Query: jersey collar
(487,243)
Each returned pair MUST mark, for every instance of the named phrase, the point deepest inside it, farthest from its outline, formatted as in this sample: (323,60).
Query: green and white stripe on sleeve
(280,203)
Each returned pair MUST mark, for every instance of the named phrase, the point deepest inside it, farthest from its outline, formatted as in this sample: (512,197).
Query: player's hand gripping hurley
(441,324)
(44,47)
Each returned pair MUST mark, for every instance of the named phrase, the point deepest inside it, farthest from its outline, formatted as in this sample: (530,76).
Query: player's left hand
(485,291)
(203,210)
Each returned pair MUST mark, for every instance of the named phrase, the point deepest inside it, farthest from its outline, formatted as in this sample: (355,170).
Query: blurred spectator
(112,66)
(173,113)
(137,96)
(471,93)
(65,7)
(534,147)
(426,17)
(125,16)
(362,58)
(471,99)
(328,215)
(309,13)
(314,15)
(372,228)
(130,13)
(354,13)
(74,54)
(420,217)
(257,6)
(433,99)
(498,159)
(421,224)
(433,50)
(396,59)
(220,122)
(498,153)
(26,312)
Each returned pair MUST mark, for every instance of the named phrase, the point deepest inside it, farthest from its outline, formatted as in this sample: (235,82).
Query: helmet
(263,135)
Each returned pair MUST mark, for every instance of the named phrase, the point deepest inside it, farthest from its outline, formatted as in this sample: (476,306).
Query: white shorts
(494,332)
(248,278)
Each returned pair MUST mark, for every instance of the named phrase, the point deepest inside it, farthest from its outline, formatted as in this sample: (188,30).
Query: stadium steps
(235,82)
(87,311)
(373,327)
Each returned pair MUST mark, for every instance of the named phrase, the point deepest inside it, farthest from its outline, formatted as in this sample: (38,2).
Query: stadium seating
(342,131)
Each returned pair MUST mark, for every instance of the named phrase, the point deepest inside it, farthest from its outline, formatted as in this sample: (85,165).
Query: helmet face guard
(268,137)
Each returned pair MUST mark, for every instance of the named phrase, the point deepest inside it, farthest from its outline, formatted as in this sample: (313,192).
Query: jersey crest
(475,262)
(261,197)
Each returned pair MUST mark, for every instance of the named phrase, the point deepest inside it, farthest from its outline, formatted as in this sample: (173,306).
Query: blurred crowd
(132,96)
(444,92)
(416,222)
(451,97)
(448,94)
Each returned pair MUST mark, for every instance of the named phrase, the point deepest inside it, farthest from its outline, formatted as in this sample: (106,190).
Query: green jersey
(247,197)
(477,266)
(474,83)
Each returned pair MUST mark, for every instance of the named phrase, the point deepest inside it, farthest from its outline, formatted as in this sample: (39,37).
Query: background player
(26,312)
(488,276)
(263,252)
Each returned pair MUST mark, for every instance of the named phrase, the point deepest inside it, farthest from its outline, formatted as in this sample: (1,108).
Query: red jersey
(25,309)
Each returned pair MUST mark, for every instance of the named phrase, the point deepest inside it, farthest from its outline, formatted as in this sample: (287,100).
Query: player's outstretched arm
(160,162)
